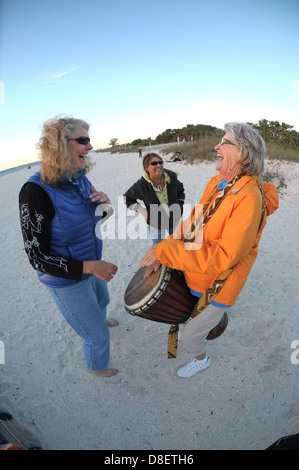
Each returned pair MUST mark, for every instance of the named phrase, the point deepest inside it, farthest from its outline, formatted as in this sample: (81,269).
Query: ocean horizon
(17,168)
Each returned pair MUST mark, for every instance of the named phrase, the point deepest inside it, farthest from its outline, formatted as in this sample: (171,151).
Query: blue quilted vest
(73,226)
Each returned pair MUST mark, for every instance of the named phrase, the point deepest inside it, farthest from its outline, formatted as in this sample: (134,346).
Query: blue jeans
(84,307)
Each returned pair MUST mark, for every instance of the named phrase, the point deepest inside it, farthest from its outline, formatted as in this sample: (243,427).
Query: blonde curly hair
(56,160)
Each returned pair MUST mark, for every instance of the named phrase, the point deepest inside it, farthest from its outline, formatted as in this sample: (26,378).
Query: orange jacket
(229,238)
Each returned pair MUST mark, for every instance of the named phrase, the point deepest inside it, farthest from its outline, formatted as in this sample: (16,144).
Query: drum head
(140,288)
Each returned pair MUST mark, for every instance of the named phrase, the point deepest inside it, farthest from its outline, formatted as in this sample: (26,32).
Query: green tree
(280,133)
(188,132)
(113,142)
(137,142)
(167,136)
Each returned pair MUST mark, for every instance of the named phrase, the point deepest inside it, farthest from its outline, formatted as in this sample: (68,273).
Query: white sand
(247,399)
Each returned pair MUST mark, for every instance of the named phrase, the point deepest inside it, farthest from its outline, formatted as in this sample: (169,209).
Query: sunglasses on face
(156,163)
(82,140)
(226,141)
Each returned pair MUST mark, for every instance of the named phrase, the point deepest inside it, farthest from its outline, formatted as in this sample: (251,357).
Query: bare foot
(105,373)
(111,322)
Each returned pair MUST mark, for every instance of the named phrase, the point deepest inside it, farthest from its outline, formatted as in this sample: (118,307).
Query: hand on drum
(151,261)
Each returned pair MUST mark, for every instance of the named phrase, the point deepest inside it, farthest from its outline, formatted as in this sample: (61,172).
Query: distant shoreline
(17,168)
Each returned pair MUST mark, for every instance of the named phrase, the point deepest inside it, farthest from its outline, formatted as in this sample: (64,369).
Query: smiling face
(155,171)
(79,150)
(229,154)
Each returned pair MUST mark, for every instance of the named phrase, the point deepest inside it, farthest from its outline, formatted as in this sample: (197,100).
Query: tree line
(272,131)
(279,133)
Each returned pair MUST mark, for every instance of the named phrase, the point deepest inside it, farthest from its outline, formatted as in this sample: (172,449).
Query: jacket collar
(147,178)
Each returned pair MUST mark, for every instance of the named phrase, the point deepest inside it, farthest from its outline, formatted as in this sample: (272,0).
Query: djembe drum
(164,297)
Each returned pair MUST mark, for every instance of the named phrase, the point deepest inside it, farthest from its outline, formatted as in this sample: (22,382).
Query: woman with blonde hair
(59,211)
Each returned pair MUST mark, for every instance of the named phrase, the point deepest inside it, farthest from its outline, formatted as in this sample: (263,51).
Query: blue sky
(135,68)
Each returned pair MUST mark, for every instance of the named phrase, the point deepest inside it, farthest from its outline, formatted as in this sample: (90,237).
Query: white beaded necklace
(158,185)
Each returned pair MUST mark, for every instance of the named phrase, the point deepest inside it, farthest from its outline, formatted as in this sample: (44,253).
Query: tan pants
(196,330)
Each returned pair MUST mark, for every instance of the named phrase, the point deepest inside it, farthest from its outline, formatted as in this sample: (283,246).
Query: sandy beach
(247,399)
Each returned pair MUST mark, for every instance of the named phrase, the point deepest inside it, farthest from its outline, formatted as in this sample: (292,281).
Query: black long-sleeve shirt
(36,212)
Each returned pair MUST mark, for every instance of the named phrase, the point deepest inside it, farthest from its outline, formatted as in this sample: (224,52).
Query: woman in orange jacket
(226,242)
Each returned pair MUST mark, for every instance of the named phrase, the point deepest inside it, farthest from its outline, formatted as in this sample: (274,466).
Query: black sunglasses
(82,140)
(157,162)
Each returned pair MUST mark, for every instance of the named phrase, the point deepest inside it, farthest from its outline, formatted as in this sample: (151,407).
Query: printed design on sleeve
(29,229)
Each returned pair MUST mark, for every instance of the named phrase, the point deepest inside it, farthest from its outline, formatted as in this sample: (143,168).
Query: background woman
(163,195)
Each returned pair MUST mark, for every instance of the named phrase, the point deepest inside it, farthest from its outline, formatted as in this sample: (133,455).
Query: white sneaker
(193,367)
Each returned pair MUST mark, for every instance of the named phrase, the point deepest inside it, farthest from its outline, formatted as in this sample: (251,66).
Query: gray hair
(252,146)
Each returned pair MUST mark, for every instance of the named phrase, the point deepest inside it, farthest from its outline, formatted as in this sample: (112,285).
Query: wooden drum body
(162,297)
